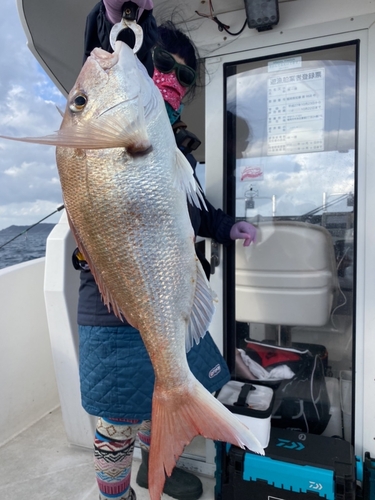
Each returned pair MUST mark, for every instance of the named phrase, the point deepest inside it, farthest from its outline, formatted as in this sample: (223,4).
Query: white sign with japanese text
(295,111)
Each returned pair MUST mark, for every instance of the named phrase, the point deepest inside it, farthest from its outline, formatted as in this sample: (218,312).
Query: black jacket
(98,28)
(211,223)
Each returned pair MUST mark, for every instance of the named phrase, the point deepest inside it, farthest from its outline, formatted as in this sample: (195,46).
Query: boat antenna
(30,227)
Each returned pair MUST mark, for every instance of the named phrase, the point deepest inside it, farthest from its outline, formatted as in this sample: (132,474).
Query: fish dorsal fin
(109,130)
(60,111)
(202,311)
(184,181)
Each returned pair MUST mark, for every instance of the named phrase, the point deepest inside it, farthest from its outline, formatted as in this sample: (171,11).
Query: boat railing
(28,390)
(61,296)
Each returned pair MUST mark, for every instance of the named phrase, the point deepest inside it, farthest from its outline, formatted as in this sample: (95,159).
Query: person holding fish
(117,377)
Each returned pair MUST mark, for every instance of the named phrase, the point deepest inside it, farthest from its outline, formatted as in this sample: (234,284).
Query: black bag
(302,402)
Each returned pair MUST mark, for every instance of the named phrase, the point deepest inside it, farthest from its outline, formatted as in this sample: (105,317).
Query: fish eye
(78,103)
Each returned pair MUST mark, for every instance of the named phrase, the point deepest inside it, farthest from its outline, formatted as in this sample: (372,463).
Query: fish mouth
(108,60)
(122,50)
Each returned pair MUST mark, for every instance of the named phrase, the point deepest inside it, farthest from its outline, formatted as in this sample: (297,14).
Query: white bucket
(346,402)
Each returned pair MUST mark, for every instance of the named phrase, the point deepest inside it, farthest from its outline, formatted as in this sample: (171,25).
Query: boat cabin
(285,117)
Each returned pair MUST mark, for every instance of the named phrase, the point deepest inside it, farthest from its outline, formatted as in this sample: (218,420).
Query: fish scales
(124,207)
(125,187)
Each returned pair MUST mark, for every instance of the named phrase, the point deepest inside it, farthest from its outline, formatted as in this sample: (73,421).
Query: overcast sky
(29,183)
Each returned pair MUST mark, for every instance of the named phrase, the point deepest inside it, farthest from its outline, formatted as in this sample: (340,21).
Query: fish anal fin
(177,417)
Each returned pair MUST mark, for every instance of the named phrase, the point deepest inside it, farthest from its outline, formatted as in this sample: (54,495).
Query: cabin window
(290,169)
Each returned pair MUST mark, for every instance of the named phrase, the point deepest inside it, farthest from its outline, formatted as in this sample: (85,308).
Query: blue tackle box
(296,466)
(368,477)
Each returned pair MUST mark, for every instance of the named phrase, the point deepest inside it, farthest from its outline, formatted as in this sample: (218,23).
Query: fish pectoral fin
(185,181)
(180,415)
(104,132)
(202,311)
(110,131)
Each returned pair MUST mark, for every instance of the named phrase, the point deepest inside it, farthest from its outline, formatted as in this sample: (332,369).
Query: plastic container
(252,404)
(296,466)
(368,477)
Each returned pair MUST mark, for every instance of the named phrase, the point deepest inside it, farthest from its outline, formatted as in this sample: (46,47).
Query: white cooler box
(252,403)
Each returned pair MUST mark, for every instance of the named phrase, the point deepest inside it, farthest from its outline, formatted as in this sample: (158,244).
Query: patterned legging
(114,446)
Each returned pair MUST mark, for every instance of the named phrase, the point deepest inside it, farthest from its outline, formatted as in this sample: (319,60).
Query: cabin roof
(55,30)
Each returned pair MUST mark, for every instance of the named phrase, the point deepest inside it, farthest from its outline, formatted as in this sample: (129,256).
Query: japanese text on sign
(295,112)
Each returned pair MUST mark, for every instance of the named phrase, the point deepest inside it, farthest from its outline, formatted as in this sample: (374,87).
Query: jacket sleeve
(91,38)
(213,222)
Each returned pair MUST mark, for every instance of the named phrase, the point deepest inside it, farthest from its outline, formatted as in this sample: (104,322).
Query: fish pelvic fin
(177,417)
(185,181)
(202,311)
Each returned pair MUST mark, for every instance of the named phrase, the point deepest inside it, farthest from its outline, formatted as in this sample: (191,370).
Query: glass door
(290,169)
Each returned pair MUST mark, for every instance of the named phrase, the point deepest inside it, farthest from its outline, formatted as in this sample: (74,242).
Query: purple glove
(114,12)
(243,230)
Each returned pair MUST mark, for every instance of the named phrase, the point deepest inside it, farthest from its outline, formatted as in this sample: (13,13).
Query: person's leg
(113,454)
(181,485)
(144,435)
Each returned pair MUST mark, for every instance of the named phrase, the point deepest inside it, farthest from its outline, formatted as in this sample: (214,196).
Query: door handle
(215,259)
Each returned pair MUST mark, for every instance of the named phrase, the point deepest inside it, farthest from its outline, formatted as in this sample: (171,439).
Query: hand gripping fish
(125,186)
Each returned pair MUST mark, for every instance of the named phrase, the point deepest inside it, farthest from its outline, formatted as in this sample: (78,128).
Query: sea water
(29,245)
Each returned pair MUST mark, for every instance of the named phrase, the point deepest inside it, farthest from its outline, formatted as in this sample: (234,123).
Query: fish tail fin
(177,417)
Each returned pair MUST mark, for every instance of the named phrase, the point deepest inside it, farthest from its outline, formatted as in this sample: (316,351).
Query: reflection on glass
(290,167)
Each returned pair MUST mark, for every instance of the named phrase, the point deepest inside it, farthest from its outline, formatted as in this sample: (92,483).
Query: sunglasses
(166,63)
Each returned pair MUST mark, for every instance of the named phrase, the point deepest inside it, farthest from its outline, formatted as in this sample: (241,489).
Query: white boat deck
(39,464)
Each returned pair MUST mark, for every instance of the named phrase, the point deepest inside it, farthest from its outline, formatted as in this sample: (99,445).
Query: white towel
(280,372)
